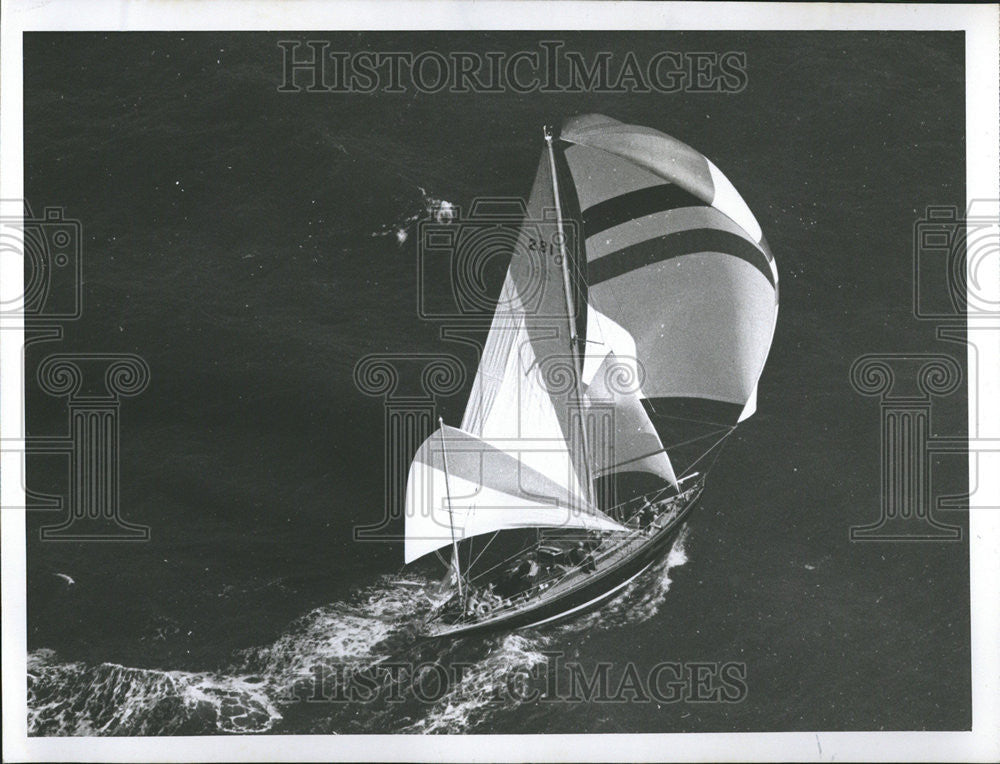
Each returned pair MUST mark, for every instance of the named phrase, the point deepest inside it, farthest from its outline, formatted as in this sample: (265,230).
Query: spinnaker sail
(675,257)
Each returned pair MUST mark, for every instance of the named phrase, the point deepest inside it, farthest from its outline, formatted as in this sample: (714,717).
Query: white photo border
(980,24)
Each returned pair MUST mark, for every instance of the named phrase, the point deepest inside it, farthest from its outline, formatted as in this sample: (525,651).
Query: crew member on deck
(582,558)
(646,517)
(527,572)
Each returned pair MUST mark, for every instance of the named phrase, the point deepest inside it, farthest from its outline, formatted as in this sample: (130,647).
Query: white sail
(526,387)
(606,336)
(674,256)
(613,378)
(510,400)
(632,445)
(517,461)
(487,488)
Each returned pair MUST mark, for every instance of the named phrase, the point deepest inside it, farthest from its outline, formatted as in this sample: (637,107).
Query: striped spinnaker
(675,257)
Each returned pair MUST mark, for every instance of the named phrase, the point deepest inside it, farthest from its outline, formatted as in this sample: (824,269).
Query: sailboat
(628,340)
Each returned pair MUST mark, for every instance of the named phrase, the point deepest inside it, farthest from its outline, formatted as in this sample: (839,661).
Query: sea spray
(644,597)
(245,697)
(330,646)
(376,623)
(109,699)
(486,686)
(427,207)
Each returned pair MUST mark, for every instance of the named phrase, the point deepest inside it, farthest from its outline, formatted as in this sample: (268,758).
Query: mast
(451,514)
(574,344)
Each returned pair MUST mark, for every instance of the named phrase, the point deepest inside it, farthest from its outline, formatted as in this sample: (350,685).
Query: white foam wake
(257,690)
(109,699)
(485,686)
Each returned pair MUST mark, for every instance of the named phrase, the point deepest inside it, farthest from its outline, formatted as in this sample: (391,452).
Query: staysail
(487,487)
(633,444)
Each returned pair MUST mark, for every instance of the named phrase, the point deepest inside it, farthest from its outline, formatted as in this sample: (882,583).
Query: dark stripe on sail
(767,248)
(674,245)
(693,410)
(636,204)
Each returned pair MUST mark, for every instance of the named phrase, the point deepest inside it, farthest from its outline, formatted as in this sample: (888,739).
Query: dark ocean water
(228,240)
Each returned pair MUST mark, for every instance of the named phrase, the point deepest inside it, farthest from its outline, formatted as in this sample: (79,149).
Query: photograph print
(497,382)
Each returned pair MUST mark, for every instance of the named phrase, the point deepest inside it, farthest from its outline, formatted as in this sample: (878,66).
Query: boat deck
(615,552)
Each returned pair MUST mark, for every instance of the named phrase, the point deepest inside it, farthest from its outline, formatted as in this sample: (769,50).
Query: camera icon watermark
(47,251)
(955,255)
(954,263)
(48,248)
(455,258)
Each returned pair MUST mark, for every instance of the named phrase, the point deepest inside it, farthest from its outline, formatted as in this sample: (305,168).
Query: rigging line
(375,150)
(499,564)
(664,449)
(581,246)
(718,453)
(644,497)
(708,451)
(478,556)
(698,437)
(503,562)
(518,554)
(714,459)
(655,493)
(639,458)
(618,304)
(468,522)
(577,217)
(451,513)
(689,419)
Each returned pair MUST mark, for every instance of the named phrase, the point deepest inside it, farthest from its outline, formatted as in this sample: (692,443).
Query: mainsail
(527,385)
(640,282)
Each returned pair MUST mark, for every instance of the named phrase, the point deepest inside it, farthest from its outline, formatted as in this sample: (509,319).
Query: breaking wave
(298,683)
(486,690)
(108,699)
